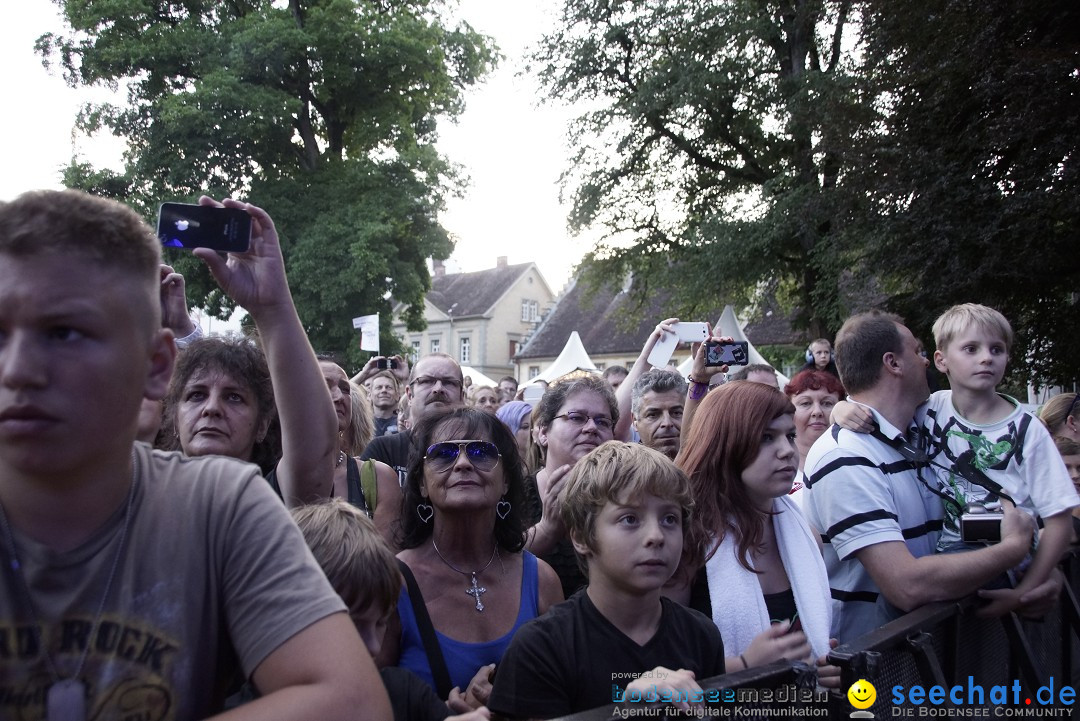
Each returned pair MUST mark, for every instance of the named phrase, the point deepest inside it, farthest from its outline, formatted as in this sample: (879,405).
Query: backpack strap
(427,633)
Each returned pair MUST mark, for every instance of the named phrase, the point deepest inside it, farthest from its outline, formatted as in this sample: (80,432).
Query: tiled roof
(471,294)
(601,321)
(774,327)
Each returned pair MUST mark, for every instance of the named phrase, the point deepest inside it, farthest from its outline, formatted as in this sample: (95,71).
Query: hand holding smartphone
(735,353)
(684,333)
(182,225)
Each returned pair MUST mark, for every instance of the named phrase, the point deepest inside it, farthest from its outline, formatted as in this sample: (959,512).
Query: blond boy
(975,427)
(617,640)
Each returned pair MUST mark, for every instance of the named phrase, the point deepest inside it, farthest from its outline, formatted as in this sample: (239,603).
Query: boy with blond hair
(617,640)
(974,426)
(982,440)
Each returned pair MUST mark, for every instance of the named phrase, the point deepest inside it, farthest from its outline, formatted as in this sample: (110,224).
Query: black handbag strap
(427,633)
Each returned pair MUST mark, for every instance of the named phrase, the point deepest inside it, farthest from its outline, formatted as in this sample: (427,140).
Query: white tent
(478,378)
(728,325)
(571,358)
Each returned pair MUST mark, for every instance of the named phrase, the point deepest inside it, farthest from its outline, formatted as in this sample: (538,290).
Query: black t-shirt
(393,450)
(386,426)
(562,558)
(569,659)
(412,698)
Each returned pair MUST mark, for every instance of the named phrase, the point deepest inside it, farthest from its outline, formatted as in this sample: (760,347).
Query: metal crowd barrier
(940,644)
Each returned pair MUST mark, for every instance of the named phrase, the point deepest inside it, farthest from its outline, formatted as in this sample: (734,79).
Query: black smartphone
(181,225)
(385,363)
(736,353)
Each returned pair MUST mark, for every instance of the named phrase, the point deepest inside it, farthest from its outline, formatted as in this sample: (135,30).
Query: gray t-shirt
(214,576)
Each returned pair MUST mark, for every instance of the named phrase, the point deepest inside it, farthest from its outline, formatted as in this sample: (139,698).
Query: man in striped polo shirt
(877,509)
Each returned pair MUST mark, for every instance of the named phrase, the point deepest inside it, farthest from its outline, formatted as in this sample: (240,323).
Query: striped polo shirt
(861,491)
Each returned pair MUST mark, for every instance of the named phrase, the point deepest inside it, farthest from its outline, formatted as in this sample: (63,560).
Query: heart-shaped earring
(502,508)
(425,511)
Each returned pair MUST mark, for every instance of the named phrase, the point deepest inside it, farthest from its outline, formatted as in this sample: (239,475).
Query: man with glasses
(435,384)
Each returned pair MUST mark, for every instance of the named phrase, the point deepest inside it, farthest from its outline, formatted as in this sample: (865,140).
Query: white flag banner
(368,325)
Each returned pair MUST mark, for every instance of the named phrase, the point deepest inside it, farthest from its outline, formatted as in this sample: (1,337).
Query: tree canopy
(835,154)
(325,112)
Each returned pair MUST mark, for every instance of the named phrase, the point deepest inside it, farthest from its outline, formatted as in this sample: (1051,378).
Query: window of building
(530,310)
(415,353)
(436,345)
(533,371)
(465,347)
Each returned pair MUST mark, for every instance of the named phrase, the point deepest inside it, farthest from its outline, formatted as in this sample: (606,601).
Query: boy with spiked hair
(617,640)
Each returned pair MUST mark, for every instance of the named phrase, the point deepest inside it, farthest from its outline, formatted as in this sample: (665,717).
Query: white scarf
(738,606)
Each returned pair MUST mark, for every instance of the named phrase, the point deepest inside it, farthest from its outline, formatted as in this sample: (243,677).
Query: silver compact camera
(981,523)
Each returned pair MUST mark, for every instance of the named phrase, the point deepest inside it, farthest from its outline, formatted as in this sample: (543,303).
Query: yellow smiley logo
(862,694)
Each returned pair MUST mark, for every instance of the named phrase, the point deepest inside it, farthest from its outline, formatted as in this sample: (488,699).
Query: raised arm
(256,281)
(400,369)
(174,306)
(641,366)
(700,378)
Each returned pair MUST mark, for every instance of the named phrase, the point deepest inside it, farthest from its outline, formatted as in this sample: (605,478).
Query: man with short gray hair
(657,402)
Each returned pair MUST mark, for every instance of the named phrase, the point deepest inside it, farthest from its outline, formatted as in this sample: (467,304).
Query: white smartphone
(688,332)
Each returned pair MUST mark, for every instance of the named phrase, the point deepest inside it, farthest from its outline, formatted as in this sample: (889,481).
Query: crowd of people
(199,525)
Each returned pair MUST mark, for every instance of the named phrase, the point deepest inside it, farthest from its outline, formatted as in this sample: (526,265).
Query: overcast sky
(513,148)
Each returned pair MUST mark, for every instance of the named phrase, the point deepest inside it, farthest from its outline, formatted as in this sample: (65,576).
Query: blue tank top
(463,660)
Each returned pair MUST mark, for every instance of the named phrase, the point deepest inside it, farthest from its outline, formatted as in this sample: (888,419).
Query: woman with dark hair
(224,392)
(763,581)
(231,373)
(469,583)
(576,414)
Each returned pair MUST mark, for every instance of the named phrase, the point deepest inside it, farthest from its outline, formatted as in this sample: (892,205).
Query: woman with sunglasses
(469,583)
(576,415)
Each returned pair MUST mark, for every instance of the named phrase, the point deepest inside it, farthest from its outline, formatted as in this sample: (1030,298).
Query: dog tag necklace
(66,698)
(475,590)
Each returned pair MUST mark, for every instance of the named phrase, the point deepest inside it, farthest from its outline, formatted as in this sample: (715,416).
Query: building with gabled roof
(600,321)
(480,318)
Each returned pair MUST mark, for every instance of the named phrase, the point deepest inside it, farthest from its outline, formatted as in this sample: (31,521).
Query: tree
(323,111)
(971,179)
(840,155)
(724,174)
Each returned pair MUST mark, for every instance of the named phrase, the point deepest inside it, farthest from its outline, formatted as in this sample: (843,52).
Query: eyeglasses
(483,455)
(429,381)
(580,419)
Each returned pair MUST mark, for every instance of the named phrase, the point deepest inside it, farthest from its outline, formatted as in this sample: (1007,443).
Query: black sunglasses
(483,455)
